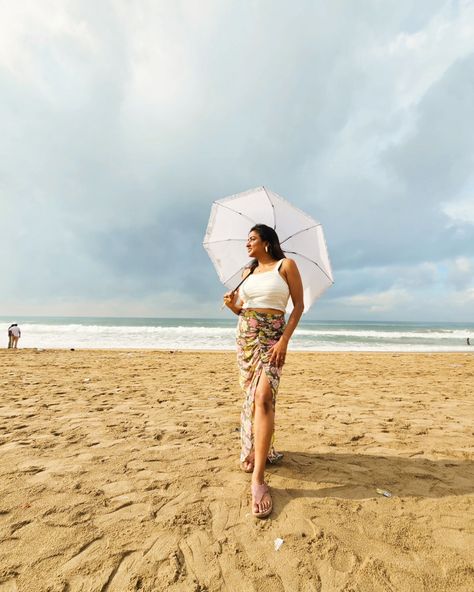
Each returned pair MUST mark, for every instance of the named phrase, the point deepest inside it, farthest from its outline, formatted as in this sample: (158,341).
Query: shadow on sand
(356,476)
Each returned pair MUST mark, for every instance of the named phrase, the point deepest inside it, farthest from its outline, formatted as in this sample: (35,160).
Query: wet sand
(120,472)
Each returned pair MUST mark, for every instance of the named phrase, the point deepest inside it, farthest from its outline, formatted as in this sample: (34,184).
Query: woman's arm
(231,299)
(292,275)
(293,278)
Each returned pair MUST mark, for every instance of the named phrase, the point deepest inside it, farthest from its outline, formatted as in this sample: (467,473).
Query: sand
(119,472)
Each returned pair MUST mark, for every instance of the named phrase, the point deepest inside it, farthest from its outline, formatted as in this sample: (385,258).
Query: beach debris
(383,492)
(278,543)
(86,380)
(72,349)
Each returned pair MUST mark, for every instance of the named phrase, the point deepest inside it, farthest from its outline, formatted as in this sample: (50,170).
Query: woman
(262,341)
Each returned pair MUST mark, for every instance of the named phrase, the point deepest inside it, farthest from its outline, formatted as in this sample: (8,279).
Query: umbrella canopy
(301,238)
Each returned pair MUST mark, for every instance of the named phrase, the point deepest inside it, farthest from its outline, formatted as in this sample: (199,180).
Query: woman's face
(255,245)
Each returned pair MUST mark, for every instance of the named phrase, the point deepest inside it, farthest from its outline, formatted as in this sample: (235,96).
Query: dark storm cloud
(122,124)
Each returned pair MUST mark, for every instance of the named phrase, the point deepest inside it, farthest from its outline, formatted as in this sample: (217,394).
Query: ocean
(219,334)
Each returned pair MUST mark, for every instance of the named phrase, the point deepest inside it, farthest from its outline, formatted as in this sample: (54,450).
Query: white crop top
(265,290)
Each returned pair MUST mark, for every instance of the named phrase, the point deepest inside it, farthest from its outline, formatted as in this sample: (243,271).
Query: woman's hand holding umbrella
(230,300)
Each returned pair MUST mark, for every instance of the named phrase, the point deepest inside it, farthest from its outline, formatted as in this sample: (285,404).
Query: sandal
(258,491)
(275,459)
(247,466)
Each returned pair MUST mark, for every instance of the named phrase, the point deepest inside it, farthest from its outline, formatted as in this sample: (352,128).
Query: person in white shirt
(14,335)
(262,340)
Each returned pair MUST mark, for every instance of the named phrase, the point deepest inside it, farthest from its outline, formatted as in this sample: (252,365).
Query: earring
(266,248)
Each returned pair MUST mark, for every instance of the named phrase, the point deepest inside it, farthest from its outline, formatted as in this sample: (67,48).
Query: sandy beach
(120,472)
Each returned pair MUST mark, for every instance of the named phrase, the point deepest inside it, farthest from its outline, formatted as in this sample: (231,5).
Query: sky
(122,121)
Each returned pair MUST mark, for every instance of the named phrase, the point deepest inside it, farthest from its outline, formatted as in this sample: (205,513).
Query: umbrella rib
(235,212)
(273,207)
(315,262)
(299,232)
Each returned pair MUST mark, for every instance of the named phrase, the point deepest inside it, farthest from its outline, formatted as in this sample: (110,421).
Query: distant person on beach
(14,335)
(10,337)
(468,341)
(262,341)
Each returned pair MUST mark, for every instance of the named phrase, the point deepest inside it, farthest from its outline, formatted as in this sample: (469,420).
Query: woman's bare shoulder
(288,264)
(245,272)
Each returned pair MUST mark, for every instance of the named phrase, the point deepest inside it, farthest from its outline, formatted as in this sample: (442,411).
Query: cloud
(121,122)
(460,212)
(461,273)
(387,301)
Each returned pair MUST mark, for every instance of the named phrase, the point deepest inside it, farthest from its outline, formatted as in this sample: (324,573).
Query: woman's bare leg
(263,426)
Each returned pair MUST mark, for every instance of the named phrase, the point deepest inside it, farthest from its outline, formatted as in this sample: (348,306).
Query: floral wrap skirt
(257,332)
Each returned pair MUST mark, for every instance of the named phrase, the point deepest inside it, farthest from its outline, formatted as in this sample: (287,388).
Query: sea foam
(202,334)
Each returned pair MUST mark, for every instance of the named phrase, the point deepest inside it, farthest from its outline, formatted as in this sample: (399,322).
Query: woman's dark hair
(268,234)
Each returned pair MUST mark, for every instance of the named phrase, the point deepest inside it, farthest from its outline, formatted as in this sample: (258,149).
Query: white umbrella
(301,238)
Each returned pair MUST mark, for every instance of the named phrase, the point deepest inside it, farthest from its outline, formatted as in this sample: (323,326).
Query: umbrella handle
(240,283)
